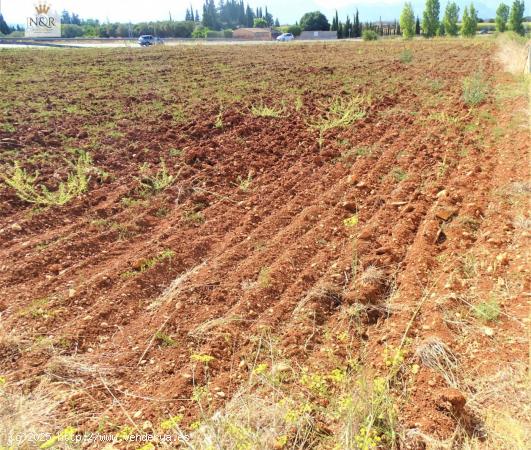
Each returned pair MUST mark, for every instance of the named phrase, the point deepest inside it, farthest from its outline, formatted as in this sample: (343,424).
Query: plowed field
(266,224)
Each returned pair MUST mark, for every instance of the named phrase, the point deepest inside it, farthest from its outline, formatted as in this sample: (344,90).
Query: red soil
(288,226)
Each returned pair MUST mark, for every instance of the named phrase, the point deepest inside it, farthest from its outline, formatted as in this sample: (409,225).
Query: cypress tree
(335,23)
(4,27)
(357,25)
(348,28)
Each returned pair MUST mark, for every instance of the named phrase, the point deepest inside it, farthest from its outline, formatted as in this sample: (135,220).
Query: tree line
(507,18)
(232,14)
(219,21)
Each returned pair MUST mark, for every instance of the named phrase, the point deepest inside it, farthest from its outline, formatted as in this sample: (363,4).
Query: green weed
(24,184)
(487,311)
(474,89)
(165,339)
(406,56)
(157,182)
(149,263)
(262,110)
(399,174)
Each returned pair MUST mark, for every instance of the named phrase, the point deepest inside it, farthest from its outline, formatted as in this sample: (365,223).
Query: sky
(287,11)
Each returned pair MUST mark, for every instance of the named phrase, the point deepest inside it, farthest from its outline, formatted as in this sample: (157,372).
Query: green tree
(4,27)
(516,17)
(407,21)
(357,25)
(417,27)
(249,17)
(315,21)
(450,19)
(295,30)
(469,24)
(268,17)
(71,31)
(210,15)
(347,29)
(502,15)
(259,23)
(335,23)
(430,18)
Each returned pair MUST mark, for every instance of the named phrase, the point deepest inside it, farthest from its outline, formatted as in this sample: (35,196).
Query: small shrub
(406,56)
(487,311)
(340,114)
(24,184)
(194,216)
(244,184)
(369,35)
(227,34)
(157,182)
(200,32)
(210,34)
(474,89)
(295,30)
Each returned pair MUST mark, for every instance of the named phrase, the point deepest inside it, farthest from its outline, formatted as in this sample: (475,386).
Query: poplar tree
(516,17)
(407,21)
(469,23)
(450,19)
(502,15)
(430,19)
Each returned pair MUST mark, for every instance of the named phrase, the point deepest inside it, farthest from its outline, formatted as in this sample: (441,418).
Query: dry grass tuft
(176,286)
(75,367)
(207,327)
(436,355)
(325,294)
(372,275)
(26,415)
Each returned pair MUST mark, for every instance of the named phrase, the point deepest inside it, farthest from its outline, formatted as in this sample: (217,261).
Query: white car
(285,37)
